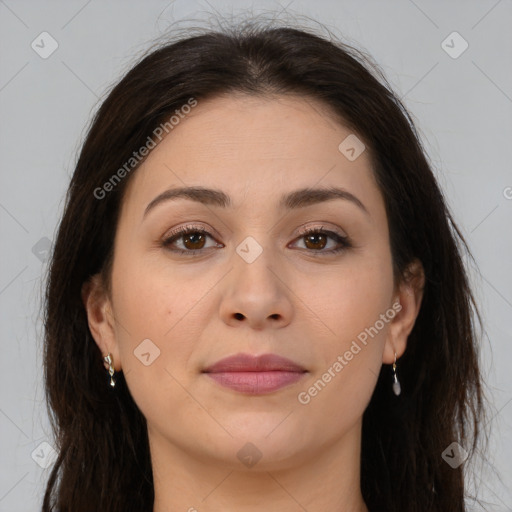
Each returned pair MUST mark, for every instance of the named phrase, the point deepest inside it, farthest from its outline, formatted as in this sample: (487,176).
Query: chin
(260,446)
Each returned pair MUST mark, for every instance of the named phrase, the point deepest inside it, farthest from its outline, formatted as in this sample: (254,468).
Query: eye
(316,239)
(192,238)
(193,241)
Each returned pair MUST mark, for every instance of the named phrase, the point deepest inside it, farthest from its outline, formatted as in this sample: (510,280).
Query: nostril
(239,316)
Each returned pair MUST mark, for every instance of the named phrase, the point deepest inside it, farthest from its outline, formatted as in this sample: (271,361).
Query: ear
(406,304)
(100,318)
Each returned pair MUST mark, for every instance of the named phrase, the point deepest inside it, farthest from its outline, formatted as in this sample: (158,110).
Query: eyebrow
(290,201)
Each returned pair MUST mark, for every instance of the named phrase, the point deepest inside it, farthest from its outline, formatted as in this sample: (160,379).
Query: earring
(397,389)
(109,361)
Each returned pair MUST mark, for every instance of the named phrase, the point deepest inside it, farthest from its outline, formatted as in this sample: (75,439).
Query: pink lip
(255,375)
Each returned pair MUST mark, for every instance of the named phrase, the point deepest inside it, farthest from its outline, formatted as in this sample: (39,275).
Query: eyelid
(308,229)
(187,227)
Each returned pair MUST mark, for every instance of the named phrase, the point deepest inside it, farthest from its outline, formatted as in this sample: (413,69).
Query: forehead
(262,146)
(256,127)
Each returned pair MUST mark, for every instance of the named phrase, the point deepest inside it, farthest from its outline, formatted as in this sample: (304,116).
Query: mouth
(255,375)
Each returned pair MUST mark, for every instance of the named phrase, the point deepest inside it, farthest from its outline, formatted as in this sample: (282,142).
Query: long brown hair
(100,434)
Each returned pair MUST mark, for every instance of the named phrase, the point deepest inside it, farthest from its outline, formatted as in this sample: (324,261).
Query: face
(263,270)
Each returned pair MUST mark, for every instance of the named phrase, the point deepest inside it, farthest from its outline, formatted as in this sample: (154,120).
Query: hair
(101,436)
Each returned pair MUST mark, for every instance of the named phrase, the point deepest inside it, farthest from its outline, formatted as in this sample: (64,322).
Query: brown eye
(189,241)
(194,241)
(315,241)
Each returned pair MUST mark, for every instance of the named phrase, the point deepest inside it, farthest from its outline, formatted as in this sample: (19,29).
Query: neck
(328,479)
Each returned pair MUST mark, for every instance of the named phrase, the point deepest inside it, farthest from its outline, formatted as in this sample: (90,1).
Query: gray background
(462,107)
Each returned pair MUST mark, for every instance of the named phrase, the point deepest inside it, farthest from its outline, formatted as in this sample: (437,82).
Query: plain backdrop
(460,100)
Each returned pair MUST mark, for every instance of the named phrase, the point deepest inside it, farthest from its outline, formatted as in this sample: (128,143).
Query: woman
(257,299)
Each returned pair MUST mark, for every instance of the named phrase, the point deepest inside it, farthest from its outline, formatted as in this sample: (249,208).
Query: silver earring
(109,361)
(397,389)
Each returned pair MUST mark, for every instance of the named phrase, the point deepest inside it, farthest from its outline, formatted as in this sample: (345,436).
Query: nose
(256,294)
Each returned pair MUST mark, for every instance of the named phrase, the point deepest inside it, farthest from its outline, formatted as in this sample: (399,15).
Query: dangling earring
(109,361)
(396,384)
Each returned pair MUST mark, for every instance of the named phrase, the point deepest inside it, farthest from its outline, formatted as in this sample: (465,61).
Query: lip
(255,375)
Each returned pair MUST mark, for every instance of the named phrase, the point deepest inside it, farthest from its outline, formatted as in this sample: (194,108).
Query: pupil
(190,238)
(315,241)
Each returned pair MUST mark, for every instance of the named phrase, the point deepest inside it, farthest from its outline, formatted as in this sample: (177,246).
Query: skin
(304,306)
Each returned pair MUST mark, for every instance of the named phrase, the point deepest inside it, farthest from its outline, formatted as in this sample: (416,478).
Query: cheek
(350,355)
(349,301)
(144,302)
(154,333)
(153,312)
(152,296)
(349,298)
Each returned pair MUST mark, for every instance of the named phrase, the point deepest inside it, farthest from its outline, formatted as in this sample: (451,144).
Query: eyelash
(344,241)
